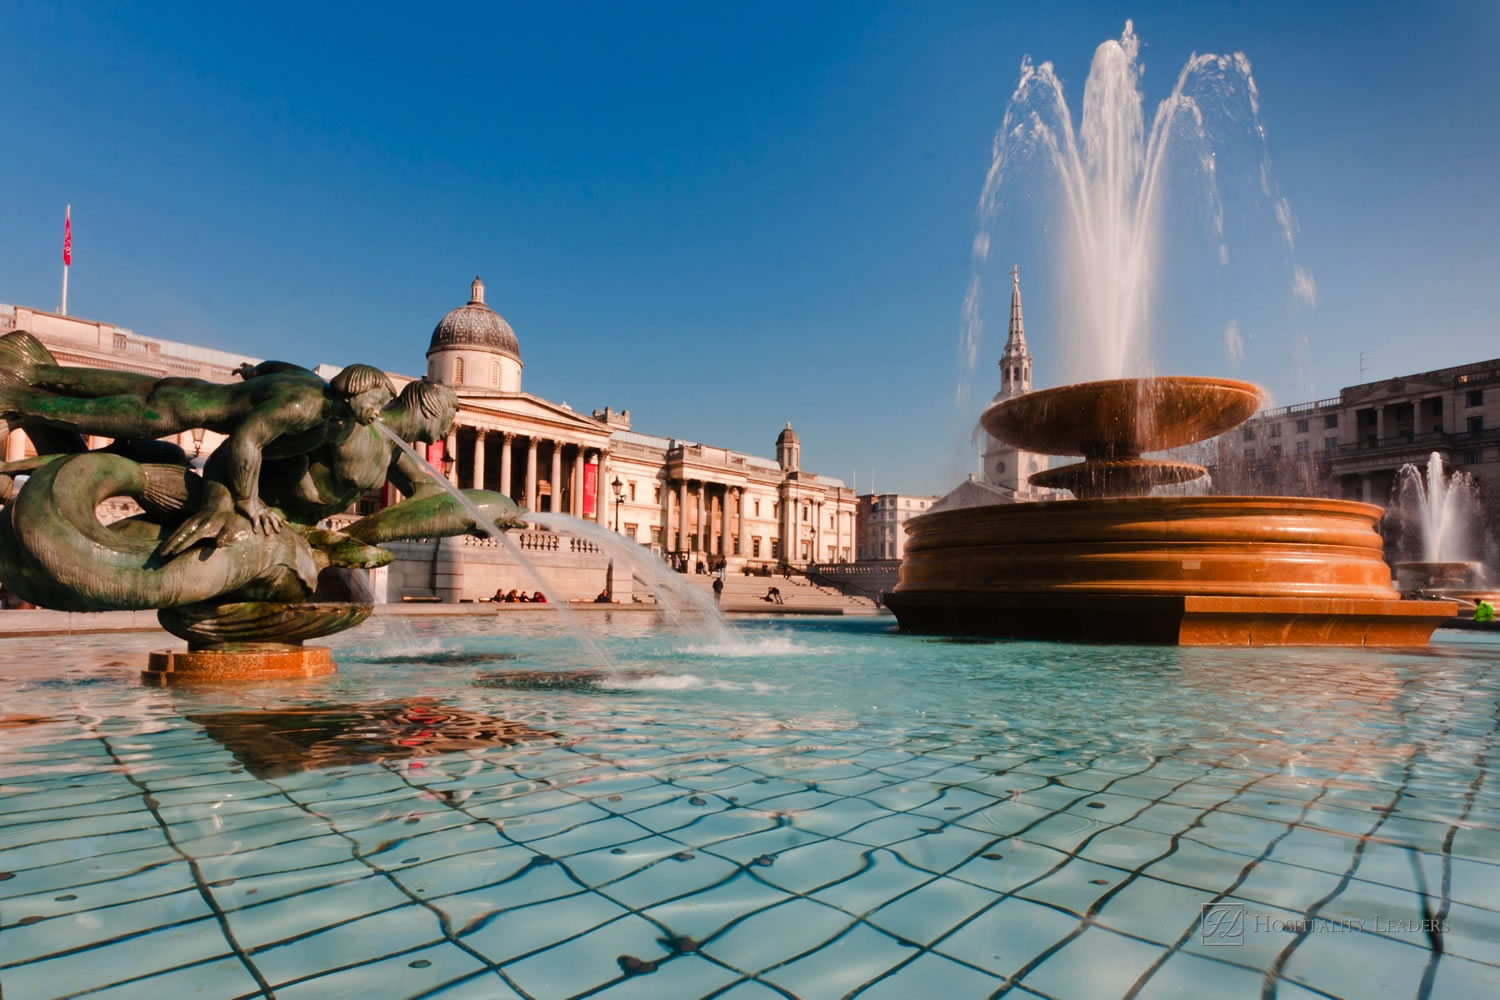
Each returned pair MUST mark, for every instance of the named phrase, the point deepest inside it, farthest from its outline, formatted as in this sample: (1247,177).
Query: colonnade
(470,469)
(715,504)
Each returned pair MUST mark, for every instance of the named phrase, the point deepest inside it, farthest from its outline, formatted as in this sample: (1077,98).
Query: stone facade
(881,530)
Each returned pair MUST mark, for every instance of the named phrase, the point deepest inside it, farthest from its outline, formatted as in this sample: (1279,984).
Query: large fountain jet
(1111,171)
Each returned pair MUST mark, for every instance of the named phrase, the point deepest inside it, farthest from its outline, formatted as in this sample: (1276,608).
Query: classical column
(725,546)
(479,436)
(666,517)
(450,451)
(601,489)
(741,502)
(557,482)
(682,519)
(531,474)
(15,446)
(703,529)
(576,507)
(506,438)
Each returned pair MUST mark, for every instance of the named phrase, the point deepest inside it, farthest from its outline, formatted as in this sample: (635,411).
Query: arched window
(458,372)
(495,374)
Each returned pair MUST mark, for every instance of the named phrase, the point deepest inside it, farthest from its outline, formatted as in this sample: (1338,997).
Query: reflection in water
(564,680)
(438,658)
(275,742)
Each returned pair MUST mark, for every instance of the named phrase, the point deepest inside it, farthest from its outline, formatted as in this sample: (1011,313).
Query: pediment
(525,409)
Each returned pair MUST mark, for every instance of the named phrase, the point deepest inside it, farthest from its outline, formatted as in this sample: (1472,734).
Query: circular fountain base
(1208,570)
(220,666)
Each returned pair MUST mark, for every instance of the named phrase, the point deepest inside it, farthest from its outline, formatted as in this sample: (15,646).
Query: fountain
(1442,509)
(1117,564)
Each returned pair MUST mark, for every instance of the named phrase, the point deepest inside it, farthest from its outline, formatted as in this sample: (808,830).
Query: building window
(775,509)
(1330,421)
(632,491)
(736,544)
(755,546)
(830,522)
(494,374)
(775,548)
(658,494)
(1471,458)
(806,510)
(1330,444)
(655,534)
(1302,447)
(1249,454)
(1275,451)
(1248,434)
(757,508)
(630,530)
(458,372)
(1474,397)
(1276,430)
(1302,425)
(1476,424)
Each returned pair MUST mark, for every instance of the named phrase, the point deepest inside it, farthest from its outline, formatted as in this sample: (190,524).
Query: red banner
(590,487)
(68,236)
(435,455)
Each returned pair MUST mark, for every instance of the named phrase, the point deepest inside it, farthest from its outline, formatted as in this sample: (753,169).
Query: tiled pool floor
(1007,819)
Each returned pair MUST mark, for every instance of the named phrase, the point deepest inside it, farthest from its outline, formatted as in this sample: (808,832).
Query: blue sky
(725,217)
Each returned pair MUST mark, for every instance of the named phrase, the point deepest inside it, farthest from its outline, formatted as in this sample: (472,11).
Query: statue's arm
(408,476)
(273,419)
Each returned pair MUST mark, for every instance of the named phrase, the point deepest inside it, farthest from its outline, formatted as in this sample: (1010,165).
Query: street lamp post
(619,489)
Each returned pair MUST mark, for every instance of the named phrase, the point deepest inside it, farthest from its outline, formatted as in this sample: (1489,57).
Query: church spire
(1015,362)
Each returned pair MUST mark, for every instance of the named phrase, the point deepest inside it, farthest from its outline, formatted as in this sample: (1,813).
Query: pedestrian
(718,589)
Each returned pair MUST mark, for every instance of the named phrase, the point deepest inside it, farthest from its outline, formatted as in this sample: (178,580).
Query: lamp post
(619,489)
(197,433)
(449,461)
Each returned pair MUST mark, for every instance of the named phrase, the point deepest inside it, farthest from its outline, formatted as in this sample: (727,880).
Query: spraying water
(568,617)
(1444,507)
(685,606)
(1111,170)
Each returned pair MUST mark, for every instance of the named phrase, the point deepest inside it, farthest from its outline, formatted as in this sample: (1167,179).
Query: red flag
(68,236)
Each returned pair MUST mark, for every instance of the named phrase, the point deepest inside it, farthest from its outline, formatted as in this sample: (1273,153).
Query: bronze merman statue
(230,558)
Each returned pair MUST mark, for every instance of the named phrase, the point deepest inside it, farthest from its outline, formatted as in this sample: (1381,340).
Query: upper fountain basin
(1122,417)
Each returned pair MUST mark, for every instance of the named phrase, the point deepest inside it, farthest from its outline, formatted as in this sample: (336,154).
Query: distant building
(882,516)
(1352,445)
(1006,467)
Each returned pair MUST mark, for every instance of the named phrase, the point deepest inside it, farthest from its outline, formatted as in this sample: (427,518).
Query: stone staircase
(747,594)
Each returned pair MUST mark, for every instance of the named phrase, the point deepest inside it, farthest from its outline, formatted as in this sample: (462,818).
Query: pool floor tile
(930,911)
(587,962)
(1097,963)
(105,964)
(409,974)
(932,976)
(515,932)
(842,965)
(776,935)
(1004,938)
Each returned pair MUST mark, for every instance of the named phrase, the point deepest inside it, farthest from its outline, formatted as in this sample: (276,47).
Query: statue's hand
(263,520)
(216,526)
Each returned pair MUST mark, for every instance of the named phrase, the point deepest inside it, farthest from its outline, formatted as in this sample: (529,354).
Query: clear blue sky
(723,217)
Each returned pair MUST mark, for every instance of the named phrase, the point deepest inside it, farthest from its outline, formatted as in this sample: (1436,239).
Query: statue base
(222,666)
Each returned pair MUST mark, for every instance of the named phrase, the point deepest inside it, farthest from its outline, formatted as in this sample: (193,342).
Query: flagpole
(67,254)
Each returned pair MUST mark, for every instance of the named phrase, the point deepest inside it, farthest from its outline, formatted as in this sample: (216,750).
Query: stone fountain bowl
(1122,417)
(1451,573)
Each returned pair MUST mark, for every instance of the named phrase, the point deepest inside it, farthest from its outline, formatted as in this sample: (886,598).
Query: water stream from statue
(565,614)
(686,607)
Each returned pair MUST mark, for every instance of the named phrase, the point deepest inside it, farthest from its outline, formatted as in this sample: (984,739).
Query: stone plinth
(170,666)
(1177,570)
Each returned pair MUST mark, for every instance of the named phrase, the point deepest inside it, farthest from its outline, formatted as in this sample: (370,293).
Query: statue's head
(365,389)
(431,407)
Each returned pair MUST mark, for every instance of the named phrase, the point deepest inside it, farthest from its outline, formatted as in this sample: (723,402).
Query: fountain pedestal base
(217,666)
(1174,619)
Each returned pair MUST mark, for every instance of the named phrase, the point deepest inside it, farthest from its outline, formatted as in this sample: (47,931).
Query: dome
(787,436)
(475,326)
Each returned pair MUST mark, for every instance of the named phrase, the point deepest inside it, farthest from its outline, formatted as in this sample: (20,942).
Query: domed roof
(475,325)
(787,436)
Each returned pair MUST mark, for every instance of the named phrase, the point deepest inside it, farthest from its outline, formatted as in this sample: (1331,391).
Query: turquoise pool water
(828,808)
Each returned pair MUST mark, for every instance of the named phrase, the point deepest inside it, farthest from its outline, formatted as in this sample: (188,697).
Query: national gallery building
(676,497)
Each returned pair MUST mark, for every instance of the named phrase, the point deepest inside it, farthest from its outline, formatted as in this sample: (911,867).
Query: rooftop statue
(230,557)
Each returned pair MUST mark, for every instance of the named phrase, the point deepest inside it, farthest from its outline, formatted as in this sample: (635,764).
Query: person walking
(718,589)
